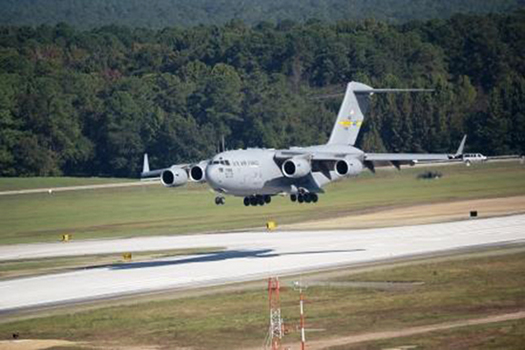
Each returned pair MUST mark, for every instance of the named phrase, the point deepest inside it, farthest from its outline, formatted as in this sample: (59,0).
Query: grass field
(461,287)
(25,183)
(496,336)
(153,210)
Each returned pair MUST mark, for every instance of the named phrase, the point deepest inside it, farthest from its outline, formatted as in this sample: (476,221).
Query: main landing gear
(304,198)
(257,200)
(220,200)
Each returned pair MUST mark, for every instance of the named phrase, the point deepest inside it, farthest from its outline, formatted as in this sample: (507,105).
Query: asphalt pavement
(248,256)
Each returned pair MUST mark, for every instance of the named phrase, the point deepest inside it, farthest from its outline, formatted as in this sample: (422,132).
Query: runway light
(67,237)
(473,213)
(127,256)
(271,225)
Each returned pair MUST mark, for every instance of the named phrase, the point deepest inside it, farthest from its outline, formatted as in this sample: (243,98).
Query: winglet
(459,152)
(145,166)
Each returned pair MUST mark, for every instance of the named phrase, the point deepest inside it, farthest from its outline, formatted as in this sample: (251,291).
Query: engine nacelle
(296,167)
(174,177)
(198,172)
(348,167)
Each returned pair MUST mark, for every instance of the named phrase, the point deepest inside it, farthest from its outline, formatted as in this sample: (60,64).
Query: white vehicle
(470,158)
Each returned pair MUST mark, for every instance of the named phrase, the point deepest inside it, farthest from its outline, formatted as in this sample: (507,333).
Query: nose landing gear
(220,200)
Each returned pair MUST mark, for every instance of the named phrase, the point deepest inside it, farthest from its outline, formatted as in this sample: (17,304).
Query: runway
(248,256)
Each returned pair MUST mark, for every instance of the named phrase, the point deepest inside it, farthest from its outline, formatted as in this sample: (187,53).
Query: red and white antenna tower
(299,286)
(275,333)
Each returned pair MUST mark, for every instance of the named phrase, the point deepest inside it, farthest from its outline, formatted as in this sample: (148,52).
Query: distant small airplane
(300,172)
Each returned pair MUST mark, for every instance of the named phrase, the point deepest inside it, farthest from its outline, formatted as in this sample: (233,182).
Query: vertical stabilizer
(351,115)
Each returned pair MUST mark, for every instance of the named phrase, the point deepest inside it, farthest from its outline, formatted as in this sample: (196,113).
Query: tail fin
(351,113)
(350,116)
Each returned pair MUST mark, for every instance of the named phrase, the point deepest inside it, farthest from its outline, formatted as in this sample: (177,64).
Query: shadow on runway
(221,256)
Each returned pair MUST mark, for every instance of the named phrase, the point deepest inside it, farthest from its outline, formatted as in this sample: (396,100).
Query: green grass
(26,183)
(495,336)
(461,287)
(153,210)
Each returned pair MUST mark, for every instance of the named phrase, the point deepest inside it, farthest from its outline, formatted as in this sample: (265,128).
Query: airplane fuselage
(259,171)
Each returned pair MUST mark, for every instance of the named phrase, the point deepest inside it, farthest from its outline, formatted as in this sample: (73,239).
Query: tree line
(78,102)
(167,13)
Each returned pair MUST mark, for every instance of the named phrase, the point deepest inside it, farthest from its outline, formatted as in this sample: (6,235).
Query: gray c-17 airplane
(301,172)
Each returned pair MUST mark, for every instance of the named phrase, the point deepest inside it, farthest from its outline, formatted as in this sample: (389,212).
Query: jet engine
(198,172)
(296,167)
(174,177)
(348,167)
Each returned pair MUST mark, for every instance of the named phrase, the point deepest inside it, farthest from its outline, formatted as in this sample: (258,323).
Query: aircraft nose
(213,175)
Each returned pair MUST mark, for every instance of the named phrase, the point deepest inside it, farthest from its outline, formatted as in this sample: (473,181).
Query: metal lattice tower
(275,332)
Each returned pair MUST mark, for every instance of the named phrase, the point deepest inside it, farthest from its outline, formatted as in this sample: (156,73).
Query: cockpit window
(221,162)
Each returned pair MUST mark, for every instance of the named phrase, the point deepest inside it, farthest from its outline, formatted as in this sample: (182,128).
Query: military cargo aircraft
(257,174)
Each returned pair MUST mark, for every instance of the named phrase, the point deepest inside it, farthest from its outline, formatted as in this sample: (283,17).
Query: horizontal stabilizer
(353,109)
(379,91)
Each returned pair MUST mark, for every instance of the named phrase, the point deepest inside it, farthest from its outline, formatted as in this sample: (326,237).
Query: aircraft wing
(312,155)
(369,159)
(398,159)
(149,174)
(411,158)
(405,157)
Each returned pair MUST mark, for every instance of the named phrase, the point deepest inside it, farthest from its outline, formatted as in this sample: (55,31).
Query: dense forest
(168,13)
(92,102)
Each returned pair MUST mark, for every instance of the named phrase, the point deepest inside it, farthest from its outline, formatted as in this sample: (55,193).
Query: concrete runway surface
(248,256)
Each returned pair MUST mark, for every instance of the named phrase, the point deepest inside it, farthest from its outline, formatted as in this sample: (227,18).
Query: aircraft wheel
(260,200)
(220,200)
(308,198)
(293,197)
(253,201)
(246,201)
(267,199)
(300,198)
(315,198)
